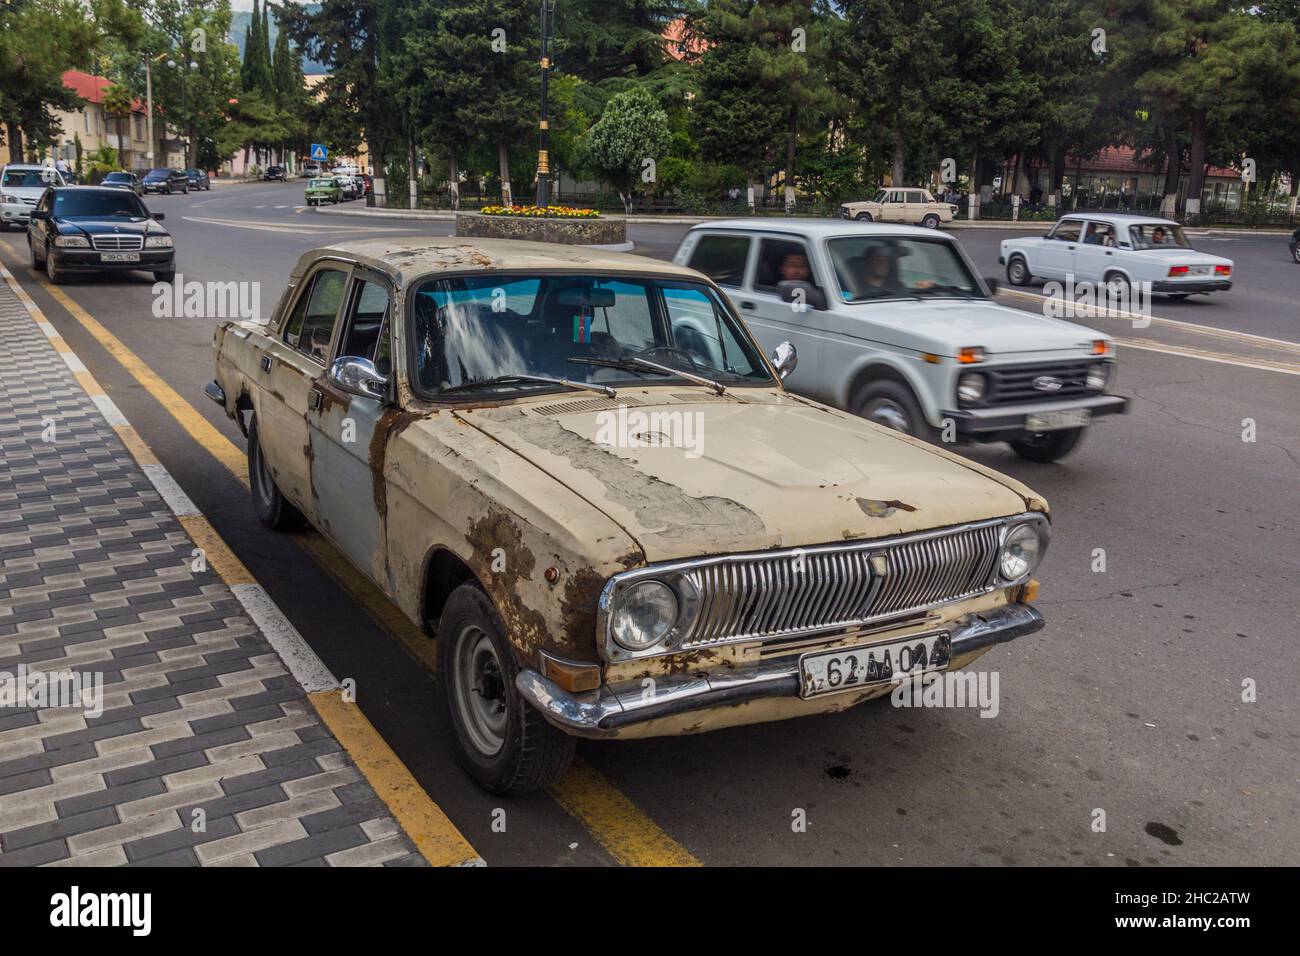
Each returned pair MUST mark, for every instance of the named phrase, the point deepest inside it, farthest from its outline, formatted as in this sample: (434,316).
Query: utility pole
(543,126)
(148,106)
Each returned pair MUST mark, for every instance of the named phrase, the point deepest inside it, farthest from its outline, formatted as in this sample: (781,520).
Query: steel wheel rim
(891,414)
(480,691)
(1017,271)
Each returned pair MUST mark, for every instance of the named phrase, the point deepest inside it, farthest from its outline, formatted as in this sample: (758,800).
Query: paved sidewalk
(202,722)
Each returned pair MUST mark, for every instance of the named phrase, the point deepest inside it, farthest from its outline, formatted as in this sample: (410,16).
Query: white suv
(21,187)
(892,323)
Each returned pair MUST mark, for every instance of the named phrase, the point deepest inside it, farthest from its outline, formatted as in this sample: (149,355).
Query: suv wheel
(273,510)
(31,249)
(1049,446)
(501,741)
(1018,271)
(931,221)
(863,217)
(893,405)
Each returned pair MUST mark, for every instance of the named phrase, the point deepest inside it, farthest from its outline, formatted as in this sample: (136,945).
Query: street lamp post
(543,126)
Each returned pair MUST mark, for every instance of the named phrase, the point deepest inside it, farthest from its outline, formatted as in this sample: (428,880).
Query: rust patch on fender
(331,396)
(874,508)
(390,424)
(525,626)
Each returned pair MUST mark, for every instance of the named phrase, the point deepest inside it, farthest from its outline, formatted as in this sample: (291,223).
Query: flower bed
(541,212)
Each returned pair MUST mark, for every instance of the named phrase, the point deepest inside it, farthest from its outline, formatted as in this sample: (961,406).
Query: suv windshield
(584,328)
(158,174)
(30,177)
(883,267)
(74,204)
(1154,235)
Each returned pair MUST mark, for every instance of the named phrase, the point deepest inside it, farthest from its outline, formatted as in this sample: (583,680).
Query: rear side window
(915,195)
(312,323)
(780,260)
(1068,230)
(721,258)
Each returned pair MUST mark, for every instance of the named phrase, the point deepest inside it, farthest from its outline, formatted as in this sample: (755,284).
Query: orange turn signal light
(570,675)
(1029,592)
(930,357)
(970,355)
(1101,347)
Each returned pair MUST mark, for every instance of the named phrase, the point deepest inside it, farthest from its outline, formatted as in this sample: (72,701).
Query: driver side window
(311,325)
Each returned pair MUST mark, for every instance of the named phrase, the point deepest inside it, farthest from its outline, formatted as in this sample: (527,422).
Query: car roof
(36,166)
(86,189)
(414,258)
(1130,217)
(820,228)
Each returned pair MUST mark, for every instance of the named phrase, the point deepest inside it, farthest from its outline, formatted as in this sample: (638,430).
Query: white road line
(1219,359)
(298,227)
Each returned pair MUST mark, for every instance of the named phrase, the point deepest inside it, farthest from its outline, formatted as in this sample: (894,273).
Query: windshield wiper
(634,363)
(525,379)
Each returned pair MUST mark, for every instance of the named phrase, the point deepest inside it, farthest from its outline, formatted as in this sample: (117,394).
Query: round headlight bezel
(641,594)
(1021,551)
(967,382)
(1101,370)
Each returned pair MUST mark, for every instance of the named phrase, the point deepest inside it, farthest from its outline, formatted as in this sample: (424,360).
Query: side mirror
(785,357)
(157,216)
(798,291)
(992,283)
(357,376)
(39,214)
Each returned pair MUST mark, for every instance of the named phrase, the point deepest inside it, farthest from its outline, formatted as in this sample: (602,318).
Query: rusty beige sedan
(578,472)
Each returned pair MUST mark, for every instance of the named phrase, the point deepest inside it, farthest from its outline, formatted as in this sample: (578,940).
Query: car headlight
(970,387)
(9,199)
(644,614)
(1098,376)
(158,242)
(80,242)
(1022,550)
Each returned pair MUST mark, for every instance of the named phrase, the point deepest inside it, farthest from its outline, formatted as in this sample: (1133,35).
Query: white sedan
(1117,247)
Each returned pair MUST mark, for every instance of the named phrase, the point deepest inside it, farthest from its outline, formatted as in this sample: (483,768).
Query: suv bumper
(603,712)
(987,422)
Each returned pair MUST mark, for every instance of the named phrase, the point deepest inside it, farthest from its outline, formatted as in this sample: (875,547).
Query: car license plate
(850,668)
(119,257)
(1199,271)
(1055,421)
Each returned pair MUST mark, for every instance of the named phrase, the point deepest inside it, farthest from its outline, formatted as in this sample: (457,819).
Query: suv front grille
(1009,384)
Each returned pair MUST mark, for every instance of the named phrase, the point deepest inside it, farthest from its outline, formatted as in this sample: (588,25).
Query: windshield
(117,178)
(322,182)
(158,174)
(880,196)
(97,205)
(17,178)
(882,267)
(476,328)
(1151,235)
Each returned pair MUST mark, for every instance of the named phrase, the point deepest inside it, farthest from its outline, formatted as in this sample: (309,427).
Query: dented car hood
(742,472)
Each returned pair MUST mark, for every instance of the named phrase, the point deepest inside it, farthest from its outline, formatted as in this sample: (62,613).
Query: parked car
(21,187)
(893,323)
(310,170)
(905,205)
(466,457)
(1117,247)
(1294,244)
(348,185)
(323,189)
(165,181)
(198,179)
(80,229)
(276,173)
(124,180)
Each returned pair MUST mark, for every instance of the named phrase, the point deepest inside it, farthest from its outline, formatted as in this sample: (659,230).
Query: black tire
(1178,296)
(1295,253)
(1018,271)
(893,405)
(273,510)
(169,276)
(931,221)
(31,249)
(52,270)
(863,217)
(529,753)
(1049,446)
(169,190)
(1125,286)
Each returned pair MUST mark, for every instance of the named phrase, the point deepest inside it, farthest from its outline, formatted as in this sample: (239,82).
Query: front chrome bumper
(602,712)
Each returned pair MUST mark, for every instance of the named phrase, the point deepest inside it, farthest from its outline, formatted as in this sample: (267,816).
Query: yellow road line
(629,836)
(429,828)
(434,835)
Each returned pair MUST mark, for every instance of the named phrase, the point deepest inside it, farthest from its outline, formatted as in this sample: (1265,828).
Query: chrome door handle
(266,363)
(313,399)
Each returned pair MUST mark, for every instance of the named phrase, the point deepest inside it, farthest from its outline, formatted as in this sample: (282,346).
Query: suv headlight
(1023,548)
(644,614)
(158,242)
(1098,376)
(80,242)
(9,199)
(971,386)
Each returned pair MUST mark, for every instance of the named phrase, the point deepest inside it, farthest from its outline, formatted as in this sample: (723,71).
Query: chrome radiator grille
(117,243)
(788,592)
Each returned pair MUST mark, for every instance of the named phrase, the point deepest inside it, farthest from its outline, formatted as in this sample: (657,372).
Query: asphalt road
(1130,702)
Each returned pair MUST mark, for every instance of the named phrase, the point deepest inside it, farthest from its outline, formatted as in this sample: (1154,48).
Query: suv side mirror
(357,376)
(798,291)
(157,216)
(39,214)
(785,357)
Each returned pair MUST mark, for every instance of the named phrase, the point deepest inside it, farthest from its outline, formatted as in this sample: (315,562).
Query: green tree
(628,139)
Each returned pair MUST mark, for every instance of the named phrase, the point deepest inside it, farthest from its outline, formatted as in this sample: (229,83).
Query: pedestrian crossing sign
(318,152)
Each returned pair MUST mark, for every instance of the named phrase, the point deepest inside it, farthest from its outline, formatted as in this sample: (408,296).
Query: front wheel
(52,270)
(1049,446)
(167,276)
(893,405)
(273,510)
(501,741)
(31,249)
(863,217)
(1295,253)
(1018,271)
(931,221)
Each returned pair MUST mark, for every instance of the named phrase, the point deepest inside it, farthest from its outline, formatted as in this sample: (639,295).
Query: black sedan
(125,180)
(166,181)
(276,173)
(198,179)
(98,229)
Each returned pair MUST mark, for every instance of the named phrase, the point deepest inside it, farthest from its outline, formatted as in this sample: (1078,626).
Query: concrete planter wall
(577,232)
